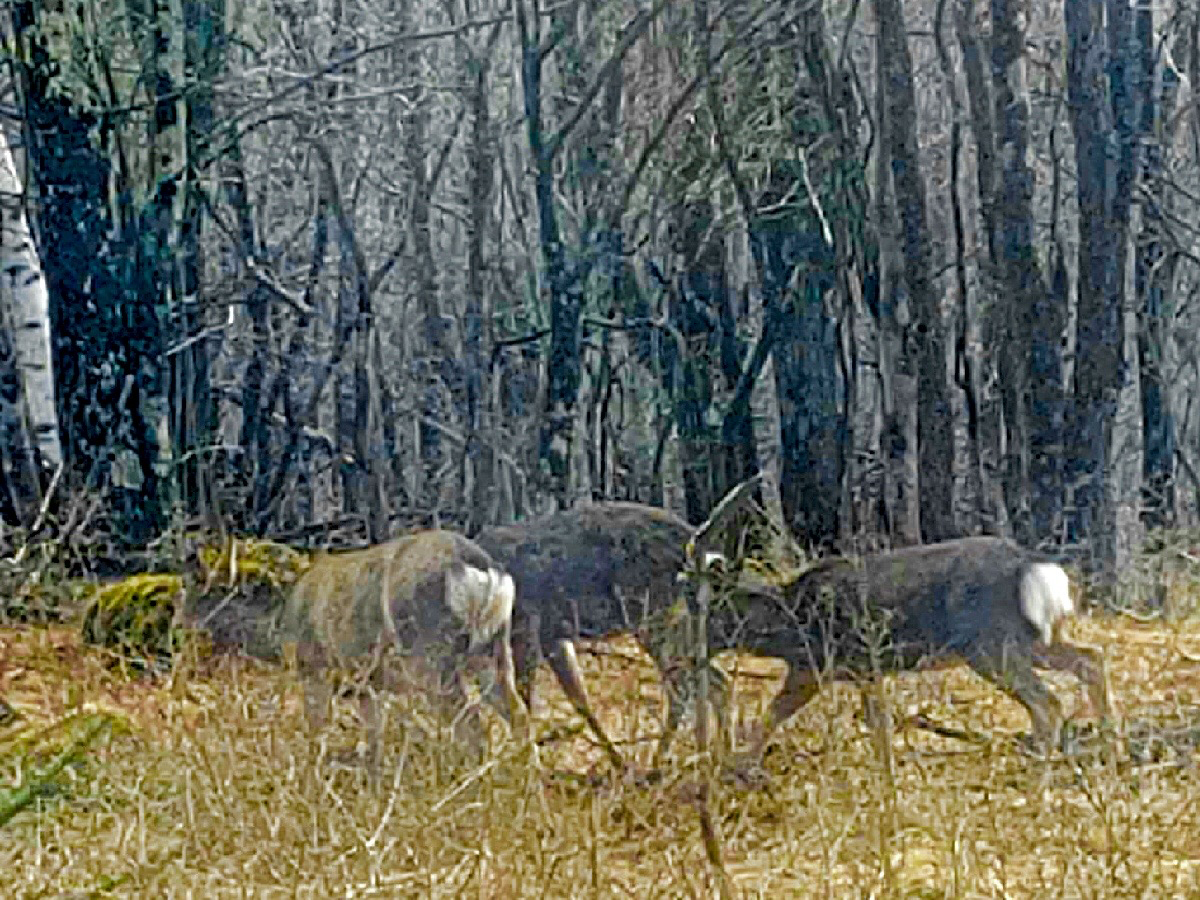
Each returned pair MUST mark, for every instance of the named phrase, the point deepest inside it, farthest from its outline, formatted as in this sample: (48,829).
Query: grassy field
(210,786)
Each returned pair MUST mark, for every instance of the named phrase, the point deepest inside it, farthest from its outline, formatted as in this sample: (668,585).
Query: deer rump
(431,601)
(982,600)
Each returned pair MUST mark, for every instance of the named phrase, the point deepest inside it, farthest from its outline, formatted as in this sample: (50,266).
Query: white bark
(27,304)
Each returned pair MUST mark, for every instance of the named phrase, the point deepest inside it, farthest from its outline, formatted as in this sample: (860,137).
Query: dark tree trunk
(811,390)
(1103,187)
(1153,279)
(20,489)
(435,363)
(926,335)
(563,280)
(987,327)
(970,504)
(193,409)
(843,273)
(900,503)
(790,249)
(1031,365)
(273,475)
(482,160)
(694,309)
(255,433)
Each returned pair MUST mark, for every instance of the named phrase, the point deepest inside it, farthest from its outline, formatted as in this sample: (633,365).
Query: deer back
(424,592)
(896,609)
(592,570)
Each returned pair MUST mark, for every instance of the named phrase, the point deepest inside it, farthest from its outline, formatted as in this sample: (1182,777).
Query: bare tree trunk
(1031,368)
(269,487)
(969,501)
(926,335)
(28,415)
(985,328)
(20,486)
(563,279)
(257,404)
(193,407)
(1104,217)
(1127,447)
(693,302)
(145,481)
(437,365)
(483,502)
(897,365)
(564,274)
(1154,273)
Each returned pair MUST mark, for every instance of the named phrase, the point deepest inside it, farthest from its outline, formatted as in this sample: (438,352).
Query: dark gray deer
(596,571)
(982,600)
(432,596)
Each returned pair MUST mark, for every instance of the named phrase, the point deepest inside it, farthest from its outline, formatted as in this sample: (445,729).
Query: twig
(738,497)
(922,721)
(464,784)
(43,511)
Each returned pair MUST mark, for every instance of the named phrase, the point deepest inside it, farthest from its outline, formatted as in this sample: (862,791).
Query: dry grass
(210,786)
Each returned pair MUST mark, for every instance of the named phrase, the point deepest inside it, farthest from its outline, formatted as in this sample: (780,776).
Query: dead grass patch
(209,785)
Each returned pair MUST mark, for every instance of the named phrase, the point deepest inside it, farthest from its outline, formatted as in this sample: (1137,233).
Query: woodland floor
(210,786)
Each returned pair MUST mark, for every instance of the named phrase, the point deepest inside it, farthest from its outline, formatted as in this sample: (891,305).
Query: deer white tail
(1045,597)
(481,599)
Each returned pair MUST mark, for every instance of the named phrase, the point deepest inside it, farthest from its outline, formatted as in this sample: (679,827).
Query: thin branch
(629,37)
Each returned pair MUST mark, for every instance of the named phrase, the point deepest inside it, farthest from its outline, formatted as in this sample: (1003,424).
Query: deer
(600,570)
(981,600)
(591,572)
(431,597)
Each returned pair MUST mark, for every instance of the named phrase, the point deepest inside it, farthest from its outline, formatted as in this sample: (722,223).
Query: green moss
(251,561)
(42,757)
(136,617)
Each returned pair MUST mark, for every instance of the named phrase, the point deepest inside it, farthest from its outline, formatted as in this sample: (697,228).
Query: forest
(280,276)
(331,271)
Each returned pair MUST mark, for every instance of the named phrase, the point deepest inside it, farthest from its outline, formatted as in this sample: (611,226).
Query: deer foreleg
(1085,664)
(566,666)
(1013,673)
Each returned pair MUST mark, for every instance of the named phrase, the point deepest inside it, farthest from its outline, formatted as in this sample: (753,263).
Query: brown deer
(432,596)
(982,600)
(595,571)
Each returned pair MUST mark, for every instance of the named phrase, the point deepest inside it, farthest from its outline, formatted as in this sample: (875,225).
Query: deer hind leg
(513,709)
(368,707)
(566,667)
(527,655)
(523,652)
(1085,664)
(308,663)
(511,691)
(318,696)
(1012,672)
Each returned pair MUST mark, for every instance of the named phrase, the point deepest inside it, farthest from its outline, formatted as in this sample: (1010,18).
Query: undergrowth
(207,783)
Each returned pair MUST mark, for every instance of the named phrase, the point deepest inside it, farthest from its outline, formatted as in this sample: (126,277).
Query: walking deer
(983,600)
(432,597)
(595,571)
